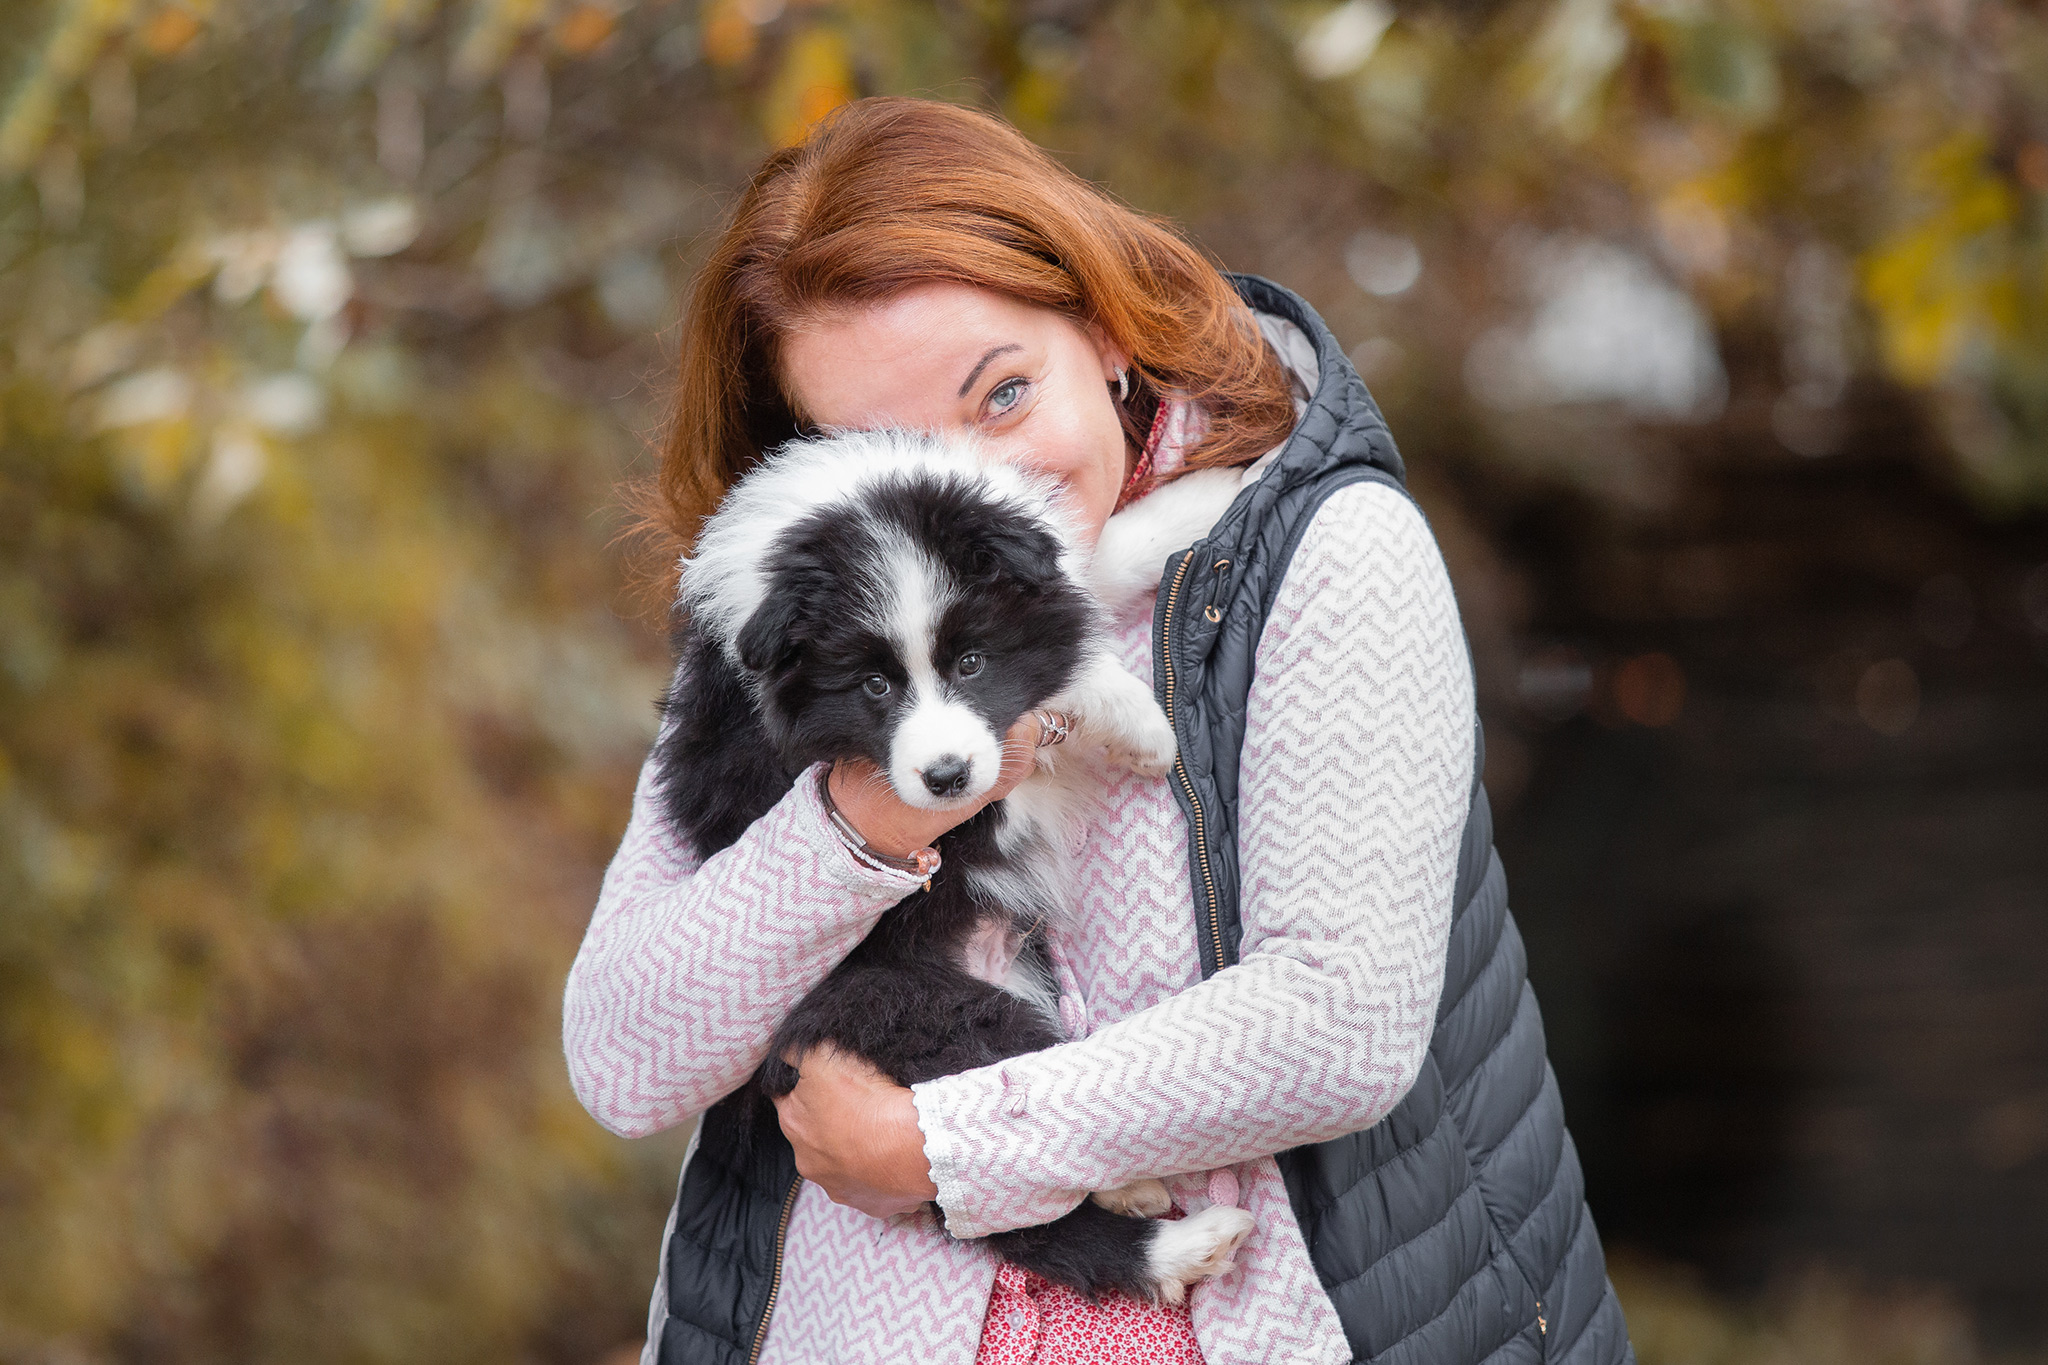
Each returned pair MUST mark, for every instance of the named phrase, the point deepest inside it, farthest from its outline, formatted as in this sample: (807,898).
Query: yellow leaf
(1950,277)
(816,77)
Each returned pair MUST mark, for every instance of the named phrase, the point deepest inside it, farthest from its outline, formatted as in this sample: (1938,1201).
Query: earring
(1123,385)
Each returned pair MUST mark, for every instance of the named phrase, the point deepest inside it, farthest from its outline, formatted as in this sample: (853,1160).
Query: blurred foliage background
(1714,330)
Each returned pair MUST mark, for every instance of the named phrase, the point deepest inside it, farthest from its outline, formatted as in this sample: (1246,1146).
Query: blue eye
(1013,388)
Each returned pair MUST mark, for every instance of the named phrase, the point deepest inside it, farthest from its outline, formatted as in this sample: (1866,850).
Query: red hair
(888,193)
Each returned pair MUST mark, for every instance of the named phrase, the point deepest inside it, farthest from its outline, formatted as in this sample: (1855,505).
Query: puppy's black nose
(948,776)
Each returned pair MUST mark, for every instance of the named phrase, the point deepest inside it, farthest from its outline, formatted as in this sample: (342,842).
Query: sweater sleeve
(1355,784)
(686,971)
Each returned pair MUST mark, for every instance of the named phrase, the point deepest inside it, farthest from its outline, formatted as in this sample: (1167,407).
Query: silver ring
(1053,727)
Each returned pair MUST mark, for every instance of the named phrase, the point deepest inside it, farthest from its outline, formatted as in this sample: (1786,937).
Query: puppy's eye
(969,665)
(875,685)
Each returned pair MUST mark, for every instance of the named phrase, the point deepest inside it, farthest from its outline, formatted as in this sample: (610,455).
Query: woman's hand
(897,828)
(855,1133)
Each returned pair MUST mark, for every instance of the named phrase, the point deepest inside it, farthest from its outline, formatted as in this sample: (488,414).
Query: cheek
(1081,448)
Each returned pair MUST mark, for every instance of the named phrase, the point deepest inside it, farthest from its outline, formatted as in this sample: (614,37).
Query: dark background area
(1793,966)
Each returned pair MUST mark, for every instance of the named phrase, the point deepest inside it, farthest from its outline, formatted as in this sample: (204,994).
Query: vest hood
(1339,424)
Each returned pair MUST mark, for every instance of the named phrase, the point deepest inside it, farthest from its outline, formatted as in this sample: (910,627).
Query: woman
(1290,977)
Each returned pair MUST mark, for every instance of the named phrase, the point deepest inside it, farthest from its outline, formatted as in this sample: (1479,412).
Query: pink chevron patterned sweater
(1355,774)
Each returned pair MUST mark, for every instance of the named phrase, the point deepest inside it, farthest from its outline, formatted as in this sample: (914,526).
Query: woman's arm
(686,972)
(1355,782)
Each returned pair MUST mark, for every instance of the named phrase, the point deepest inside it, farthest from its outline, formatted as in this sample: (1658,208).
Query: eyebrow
(975,373)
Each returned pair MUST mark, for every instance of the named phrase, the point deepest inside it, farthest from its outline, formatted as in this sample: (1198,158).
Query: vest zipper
(775,1280)
(1180,765)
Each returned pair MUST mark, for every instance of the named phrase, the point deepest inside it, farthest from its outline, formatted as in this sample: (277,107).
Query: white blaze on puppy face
(934,731)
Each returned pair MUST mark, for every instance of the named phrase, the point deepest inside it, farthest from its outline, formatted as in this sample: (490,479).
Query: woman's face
(1031,383)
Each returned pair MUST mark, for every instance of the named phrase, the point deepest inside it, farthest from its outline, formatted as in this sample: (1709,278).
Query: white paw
(1195,1248)
(1146,745)
(1139,1199)
(1119,713)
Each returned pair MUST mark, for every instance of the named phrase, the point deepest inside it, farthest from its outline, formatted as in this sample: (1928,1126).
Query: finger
(1020,742)
(858,776)
(869,1202)
(812,1057)
(891,1208)
(1020,758)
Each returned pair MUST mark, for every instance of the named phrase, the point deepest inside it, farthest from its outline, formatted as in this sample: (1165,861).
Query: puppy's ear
(771,635)
(715,767)
(1022,554)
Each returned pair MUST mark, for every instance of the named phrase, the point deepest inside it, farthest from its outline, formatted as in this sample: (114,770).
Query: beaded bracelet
(923,863)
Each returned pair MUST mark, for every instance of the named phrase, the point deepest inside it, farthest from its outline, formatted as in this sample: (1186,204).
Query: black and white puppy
(900,598)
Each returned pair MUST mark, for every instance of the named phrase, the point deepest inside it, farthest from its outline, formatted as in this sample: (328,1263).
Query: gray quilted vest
(1453,1231)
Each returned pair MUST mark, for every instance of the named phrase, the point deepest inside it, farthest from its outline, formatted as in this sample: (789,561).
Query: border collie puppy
(900,598)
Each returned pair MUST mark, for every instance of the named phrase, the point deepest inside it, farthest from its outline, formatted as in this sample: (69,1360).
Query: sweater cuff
(951,1112)
(836,861)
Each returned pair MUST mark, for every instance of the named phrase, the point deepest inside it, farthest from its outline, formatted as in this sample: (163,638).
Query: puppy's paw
(1139,1199)
(1194,1248)
(1118,712)
(1147,745)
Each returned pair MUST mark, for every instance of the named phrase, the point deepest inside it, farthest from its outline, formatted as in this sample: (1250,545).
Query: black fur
(736,738)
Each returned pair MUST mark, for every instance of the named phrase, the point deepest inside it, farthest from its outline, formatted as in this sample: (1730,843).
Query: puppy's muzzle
(947,776)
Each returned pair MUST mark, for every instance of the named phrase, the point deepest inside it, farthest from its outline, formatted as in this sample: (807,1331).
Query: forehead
(901,362)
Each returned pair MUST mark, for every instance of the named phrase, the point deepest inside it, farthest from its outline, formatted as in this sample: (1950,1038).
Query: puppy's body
(896,598)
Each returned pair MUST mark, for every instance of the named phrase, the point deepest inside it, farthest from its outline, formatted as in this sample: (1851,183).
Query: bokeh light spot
(1650,689)
(1554,683)
(171,31)
(1383,263)
(584,29)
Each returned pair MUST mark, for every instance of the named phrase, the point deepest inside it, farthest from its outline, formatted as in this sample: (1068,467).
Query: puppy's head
(909,618)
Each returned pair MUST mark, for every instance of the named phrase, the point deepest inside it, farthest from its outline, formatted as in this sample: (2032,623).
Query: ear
(771,635)
(715,766)
(1108,352)
(1023,554)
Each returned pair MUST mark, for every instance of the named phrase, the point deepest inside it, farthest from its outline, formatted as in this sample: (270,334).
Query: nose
(947,775)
